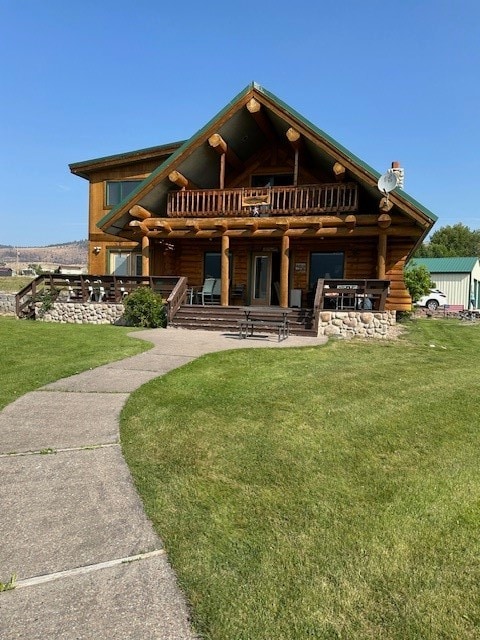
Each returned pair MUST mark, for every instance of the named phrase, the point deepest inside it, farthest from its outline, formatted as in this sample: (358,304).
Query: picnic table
(257,318)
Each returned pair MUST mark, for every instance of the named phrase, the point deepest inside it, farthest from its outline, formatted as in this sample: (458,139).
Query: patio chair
(206,291)
(217,290)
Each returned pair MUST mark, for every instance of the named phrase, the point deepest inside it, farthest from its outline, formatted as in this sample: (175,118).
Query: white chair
(217,289)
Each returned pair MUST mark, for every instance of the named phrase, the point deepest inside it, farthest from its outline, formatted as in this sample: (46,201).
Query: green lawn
(327,492)
(36,353)
(13,284)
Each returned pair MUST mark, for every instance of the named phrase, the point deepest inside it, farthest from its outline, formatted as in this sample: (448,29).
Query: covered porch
(269,261)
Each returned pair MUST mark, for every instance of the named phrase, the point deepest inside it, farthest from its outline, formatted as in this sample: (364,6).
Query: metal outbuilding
(458,278)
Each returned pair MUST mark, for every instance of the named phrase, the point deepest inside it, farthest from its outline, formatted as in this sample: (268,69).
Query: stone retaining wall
(7,304)
(348,324)
(81,313)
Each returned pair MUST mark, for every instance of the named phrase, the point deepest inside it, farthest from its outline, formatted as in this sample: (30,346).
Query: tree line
(451,241)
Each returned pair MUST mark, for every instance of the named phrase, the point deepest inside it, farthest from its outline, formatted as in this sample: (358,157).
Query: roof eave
(84,168)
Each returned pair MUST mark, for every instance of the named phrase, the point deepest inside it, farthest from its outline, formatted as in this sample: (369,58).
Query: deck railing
(301,200)
(352,294)
(92,288)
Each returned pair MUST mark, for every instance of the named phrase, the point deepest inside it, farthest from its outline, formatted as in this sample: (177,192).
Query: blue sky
(389,81)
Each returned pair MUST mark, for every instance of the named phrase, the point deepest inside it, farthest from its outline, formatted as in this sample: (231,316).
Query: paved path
(72,526)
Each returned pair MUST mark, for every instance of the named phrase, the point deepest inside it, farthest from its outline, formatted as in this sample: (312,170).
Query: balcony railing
(302,200)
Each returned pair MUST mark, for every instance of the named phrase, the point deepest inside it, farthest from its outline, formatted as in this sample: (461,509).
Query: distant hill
(48,257)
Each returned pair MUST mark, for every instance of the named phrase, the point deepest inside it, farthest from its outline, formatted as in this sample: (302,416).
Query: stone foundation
(7,304)
(81,313)
(349,324)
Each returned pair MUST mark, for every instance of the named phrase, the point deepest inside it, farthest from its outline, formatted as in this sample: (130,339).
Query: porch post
(145,256)
(222,171)
(382,255)
(225,270)
(284,264)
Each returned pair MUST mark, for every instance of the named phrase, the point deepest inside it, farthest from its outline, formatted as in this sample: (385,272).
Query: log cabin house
(259,199)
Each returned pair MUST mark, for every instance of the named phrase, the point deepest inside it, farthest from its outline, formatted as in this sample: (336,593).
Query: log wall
(360,261)
(97,262)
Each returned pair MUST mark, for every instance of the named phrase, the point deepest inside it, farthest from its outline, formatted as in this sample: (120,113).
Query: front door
(261,278)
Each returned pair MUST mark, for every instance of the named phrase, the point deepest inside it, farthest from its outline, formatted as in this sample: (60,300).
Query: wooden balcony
(271,201)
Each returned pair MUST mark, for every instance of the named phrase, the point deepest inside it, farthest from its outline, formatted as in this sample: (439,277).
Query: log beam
(253,105)
(384,221)
(181,181)
(339,171)
(293,136)
(145,255)
(137,211)
(409,231)
(382,255)
(161,224)
(385,205)
(218,143)
(317,222)
(192,225)
(350,221)
(140,224)
(263,123)
(284,270)
(225,270)
(295,168)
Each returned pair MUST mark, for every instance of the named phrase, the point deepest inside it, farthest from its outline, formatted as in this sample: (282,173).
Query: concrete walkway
(72,527)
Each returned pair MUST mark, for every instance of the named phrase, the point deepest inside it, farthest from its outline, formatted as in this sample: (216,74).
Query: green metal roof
(290,113)
(446,265)
(129,155)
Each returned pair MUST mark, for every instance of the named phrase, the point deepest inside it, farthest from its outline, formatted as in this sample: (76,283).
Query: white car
(434,299)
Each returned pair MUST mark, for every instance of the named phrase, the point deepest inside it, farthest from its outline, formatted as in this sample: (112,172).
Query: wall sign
(301,267)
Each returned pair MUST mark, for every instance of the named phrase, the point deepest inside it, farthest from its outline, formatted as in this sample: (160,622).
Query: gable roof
(84,168)
(447,265)
(199,163)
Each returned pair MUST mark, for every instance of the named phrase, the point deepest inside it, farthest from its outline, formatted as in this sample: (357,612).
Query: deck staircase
(217,318)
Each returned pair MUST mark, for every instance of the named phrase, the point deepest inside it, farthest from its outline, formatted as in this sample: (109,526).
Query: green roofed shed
(458,278)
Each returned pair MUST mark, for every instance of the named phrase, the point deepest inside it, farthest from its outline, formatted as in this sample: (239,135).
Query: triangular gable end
(233,121)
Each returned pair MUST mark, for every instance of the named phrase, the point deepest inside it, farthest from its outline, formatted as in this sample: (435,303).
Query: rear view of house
(260,200)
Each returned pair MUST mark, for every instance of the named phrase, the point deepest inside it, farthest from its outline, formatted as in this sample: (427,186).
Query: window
(325,265)
(118,190)
(125,263)
(212,265)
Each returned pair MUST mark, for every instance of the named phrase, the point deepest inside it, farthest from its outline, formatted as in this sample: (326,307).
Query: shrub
(418,281)
(144,308)
(47,297)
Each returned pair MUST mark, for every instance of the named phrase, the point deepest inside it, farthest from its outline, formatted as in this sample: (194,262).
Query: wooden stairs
(217,318)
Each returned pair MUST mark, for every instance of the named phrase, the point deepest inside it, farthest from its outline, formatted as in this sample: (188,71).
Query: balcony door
(261,285)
